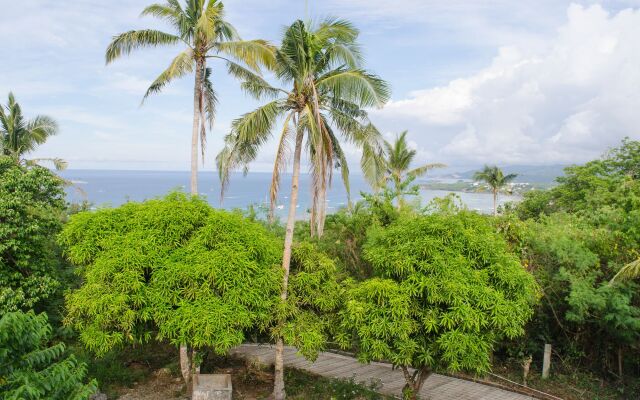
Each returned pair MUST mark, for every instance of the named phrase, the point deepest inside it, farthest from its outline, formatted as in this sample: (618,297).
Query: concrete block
(212,387)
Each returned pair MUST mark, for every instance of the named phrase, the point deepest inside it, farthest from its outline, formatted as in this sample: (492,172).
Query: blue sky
(507,82)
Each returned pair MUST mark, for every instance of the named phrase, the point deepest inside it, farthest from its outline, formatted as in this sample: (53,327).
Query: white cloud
(564,103)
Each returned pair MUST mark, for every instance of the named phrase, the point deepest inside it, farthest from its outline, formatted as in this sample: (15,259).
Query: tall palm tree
(496,180)
(326,90)
(19,136)
(398,158)
(200,28)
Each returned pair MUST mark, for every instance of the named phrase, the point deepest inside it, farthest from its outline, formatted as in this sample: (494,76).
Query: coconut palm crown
(201,29)
(496,180)
(398,159)
(326,92)
(20,136)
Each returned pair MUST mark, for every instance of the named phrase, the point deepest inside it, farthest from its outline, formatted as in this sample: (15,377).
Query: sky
(542,82)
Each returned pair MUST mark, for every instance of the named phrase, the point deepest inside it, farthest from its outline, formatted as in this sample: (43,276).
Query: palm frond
(170,12)
(58,163)
(181,65)
(125,43)
(40,128)
(254,53)
(420,171)
(252,83)
(336,30)
(356,86)
(629,271)
(279,163)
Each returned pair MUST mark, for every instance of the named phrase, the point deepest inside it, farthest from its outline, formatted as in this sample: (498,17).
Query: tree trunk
(185,367)
(620,362)
(278,385)
(414,382)
(196,125)
(397,181)
(322,212)
(185,359)
(495,202)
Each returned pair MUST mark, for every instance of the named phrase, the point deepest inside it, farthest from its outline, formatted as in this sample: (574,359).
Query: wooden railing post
(546,361)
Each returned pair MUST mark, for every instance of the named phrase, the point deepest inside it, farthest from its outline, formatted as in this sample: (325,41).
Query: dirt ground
(249,383)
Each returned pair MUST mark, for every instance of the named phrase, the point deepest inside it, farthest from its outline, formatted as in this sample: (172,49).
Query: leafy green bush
(31,213)
(447,288)
(314,298)
(577,237)
(32,370)
(171,268)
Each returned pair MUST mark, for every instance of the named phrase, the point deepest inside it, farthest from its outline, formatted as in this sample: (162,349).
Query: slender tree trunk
(185,359)
(414,382)
(397,181)
(322,212)
(185,367)
(620,362)
(278,385)
(196,125)
(495,202)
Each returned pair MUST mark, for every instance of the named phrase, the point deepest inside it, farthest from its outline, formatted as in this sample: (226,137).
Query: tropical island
(386,297)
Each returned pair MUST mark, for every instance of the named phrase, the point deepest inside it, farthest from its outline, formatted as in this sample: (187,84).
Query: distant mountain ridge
(526,173)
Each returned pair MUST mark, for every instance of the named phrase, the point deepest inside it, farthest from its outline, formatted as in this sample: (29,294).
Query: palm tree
(398,158)
(18,136)
(326,91)
(496,180)
(199,27)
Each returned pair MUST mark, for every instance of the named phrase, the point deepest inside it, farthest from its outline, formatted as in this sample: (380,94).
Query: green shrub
(32,370)
(447,288)
(31,213)
(174,269)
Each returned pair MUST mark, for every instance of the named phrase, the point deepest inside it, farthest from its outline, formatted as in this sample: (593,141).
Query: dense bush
(447,288)
(576,237)
(174,269)
(30,369)
(315,297)
(31,212)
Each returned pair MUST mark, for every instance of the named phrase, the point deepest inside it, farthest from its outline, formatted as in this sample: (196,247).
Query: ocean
(111,188)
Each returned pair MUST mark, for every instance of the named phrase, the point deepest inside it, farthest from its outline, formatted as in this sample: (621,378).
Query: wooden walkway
(438,387)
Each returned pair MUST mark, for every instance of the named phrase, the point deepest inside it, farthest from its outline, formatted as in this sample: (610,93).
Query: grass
(136,368)
(569,385)
(303,385)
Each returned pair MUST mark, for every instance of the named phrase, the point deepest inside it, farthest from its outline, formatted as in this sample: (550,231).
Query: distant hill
(545,174)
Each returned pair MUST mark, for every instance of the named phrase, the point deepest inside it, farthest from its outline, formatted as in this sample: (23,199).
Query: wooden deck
(332,365)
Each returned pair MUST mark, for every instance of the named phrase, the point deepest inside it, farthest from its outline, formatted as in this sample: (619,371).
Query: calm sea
(113,188)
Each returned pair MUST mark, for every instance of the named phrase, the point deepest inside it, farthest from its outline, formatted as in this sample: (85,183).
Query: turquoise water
(112,188)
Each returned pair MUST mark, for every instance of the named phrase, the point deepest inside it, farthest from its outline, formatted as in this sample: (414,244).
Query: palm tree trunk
(495,202)
(278,385)
(185,360)
(196,125)
(397,182)
(322,212)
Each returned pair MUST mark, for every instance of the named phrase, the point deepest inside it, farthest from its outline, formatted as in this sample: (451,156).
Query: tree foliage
(20,136)
(173,268)
(398,160)
(496,180)
(315,296)
(577,237)
(447,288)
(30,369)
(325,95)
(31,212)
